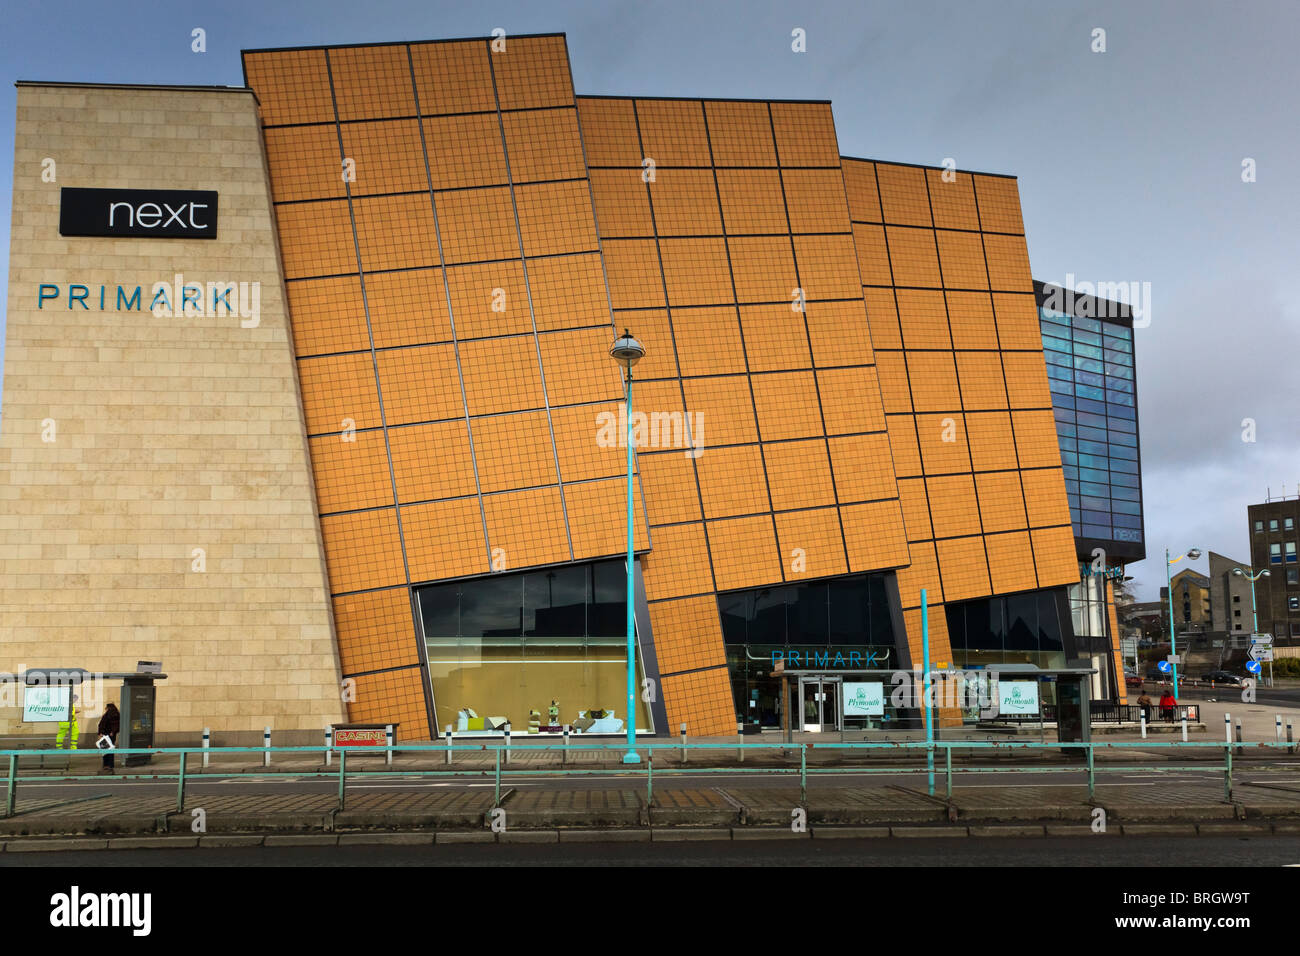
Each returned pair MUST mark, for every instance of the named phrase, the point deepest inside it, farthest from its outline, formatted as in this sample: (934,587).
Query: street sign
(1253,667)
(1261,652)
(1261,638)
(1164,667)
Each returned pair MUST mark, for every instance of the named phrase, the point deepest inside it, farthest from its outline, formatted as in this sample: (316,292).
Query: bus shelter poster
(45,704)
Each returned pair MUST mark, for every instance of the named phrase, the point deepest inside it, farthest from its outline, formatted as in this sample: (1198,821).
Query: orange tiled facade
(853,348)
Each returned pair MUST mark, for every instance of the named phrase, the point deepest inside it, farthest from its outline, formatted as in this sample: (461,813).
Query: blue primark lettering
(223,297)
(160,294)
(131,303)
(186,298)
(78,297)
(42,294)
(854,659)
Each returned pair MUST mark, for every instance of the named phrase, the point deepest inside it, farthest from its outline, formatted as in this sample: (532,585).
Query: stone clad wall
(170,433)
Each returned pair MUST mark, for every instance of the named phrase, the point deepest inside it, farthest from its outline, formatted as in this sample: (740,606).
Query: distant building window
(1290,552)
(1293,603)
(1293,575)
(1259,526)
(1288,524)
(1275,554)
(1236,614)
(1272,524)
(1236,599)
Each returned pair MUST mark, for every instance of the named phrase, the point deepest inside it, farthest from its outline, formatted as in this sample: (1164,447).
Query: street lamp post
(1193,554)
(1254,608)
(627,351)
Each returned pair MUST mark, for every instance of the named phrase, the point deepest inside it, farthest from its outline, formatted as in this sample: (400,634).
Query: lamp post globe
(626,350)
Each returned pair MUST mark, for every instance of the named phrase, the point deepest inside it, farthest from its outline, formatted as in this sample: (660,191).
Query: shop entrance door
(820,701)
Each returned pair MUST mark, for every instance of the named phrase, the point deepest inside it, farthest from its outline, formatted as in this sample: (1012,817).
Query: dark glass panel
(767,626)
(849,613)
(555,602)
(1022,623)
(957,626)
(807,617)
(607,615)
(492,607)
(440,610)
(882,622)
(984,630)
(1049,624)
(734,609)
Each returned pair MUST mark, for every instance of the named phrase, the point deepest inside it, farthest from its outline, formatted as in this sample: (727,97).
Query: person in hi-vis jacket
(65,726)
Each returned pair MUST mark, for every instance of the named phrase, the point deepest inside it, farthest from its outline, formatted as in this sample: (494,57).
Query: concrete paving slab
(768,833)
(605,836)
(301,839)
(1233,829)
(1067,829)
(691,834)
(574,808)
(848,833)
(37,846)
(864,806)
(1159,802)
(467,836)
(923,832)
(705,806)
(1159,829)
(1007,830)
(153,843)
(988,805)
(385,839)
(232,839)
(528,836)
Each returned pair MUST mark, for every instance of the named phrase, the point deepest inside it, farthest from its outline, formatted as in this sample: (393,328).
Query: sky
(1130,160)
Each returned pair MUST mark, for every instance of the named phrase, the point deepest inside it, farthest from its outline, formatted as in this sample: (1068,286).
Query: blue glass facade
(1091,374)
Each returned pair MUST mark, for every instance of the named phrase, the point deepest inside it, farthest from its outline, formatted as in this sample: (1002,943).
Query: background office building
(1273,538)
(397,495)
(1231,611)
(1088,345)
(1192,600)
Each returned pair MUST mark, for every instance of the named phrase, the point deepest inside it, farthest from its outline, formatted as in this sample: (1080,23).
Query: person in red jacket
(109,724)
(1167,705)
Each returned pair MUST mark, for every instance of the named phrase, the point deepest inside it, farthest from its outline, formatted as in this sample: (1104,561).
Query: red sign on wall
(360,737)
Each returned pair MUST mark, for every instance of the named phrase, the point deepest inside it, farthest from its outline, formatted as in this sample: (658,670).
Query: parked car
(1132,680)
(1221,677)
(1155,674)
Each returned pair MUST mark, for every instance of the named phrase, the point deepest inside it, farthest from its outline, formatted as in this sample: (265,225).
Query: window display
(512,647)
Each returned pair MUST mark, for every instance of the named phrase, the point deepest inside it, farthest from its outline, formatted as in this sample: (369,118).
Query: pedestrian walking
(68,728)
(1167,705)
(109,724)
(1144,701)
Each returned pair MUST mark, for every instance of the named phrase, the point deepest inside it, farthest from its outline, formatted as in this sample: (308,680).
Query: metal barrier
(1106,712)
(498,770)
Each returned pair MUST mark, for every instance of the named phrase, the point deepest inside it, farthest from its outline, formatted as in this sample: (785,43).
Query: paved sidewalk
(453,809)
